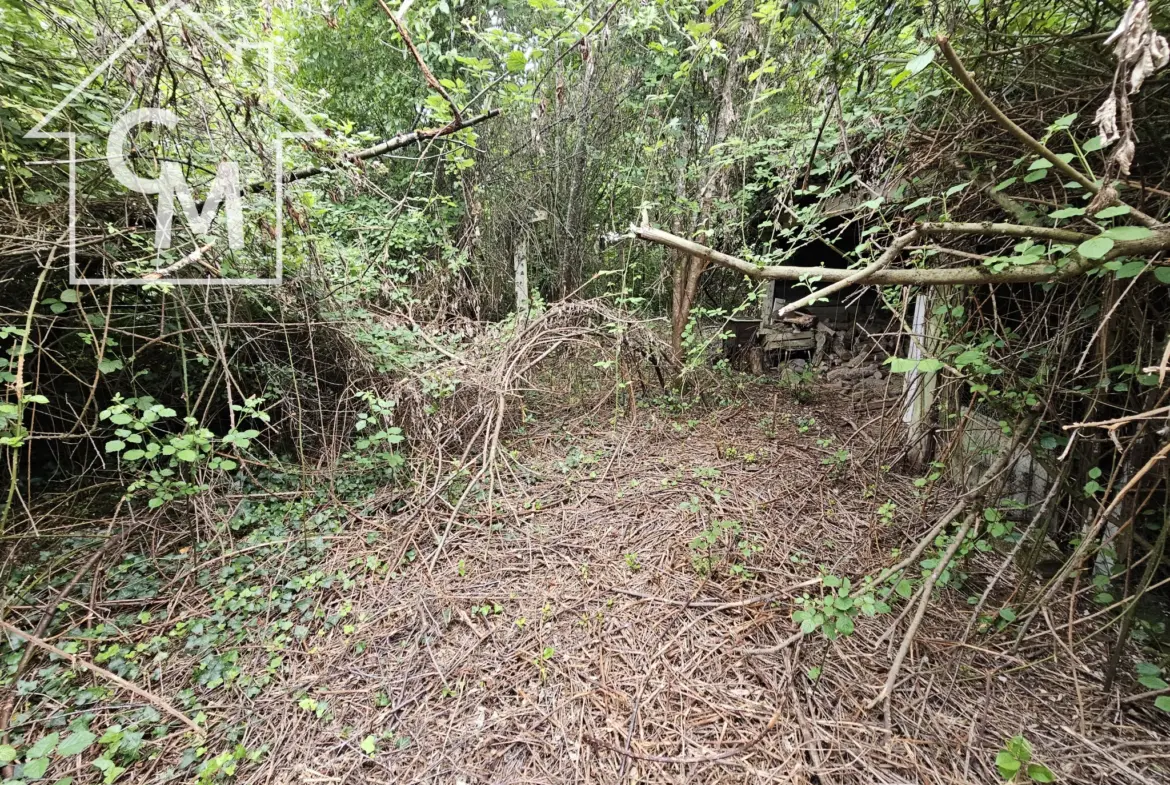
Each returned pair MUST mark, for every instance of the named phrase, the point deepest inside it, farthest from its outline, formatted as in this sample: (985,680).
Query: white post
(919,385)
(520,264)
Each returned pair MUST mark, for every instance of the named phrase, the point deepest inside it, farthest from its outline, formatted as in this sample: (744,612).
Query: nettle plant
(711,547)
(373,449)
(835,609)
(143,428)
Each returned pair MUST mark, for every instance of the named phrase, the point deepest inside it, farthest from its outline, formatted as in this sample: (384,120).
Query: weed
(1014,763)
(632,562)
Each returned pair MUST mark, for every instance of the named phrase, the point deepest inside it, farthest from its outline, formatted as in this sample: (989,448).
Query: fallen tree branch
(858,277)
(920,612)
(956,276)
(76,661)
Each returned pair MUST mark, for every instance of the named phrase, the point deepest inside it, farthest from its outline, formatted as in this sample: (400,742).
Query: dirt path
(580,632)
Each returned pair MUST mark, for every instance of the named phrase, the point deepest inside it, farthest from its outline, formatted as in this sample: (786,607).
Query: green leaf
(187,455)
(1112,212)
(844,625)
(109,366)
(369,745)
(1007,764)
(1124,233)
(904,589)
(7,753)
(1006,183)
(929,365)
(1153,683)
(75,743)
(1038,772)
(1033,176)
(1068,212)
(919,63)
(1130,270)
(35,768)
(132,455)
(711,9)
(115,445)
(515,61)
(1007,614)
(68,296)
(1163,702)
(1093,145)
(1040,163)
(918,203)
(1095,248)
(1020,748)
(1162,274)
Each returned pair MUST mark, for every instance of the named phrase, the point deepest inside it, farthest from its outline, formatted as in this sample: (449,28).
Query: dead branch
(76,661)
(958,276)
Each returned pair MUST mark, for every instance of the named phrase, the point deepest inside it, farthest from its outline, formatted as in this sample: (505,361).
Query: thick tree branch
(858,277)
(971,276)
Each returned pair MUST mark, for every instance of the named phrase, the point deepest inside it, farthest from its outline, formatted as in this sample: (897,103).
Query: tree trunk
(690,268)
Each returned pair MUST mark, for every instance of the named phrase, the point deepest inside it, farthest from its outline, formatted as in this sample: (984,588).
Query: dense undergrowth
(198,479)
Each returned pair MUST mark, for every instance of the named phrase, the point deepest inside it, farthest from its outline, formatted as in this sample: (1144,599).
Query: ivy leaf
(76,743)
(1095,248)
(1124,233)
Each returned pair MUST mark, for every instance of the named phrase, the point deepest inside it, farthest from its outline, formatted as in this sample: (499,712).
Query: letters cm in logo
(171,183)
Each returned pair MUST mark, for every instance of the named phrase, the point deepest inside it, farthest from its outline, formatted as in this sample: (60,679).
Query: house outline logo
(235,54)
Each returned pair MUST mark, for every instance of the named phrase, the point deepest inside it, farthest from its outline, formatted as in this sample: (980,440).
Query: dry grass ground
(566,632)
